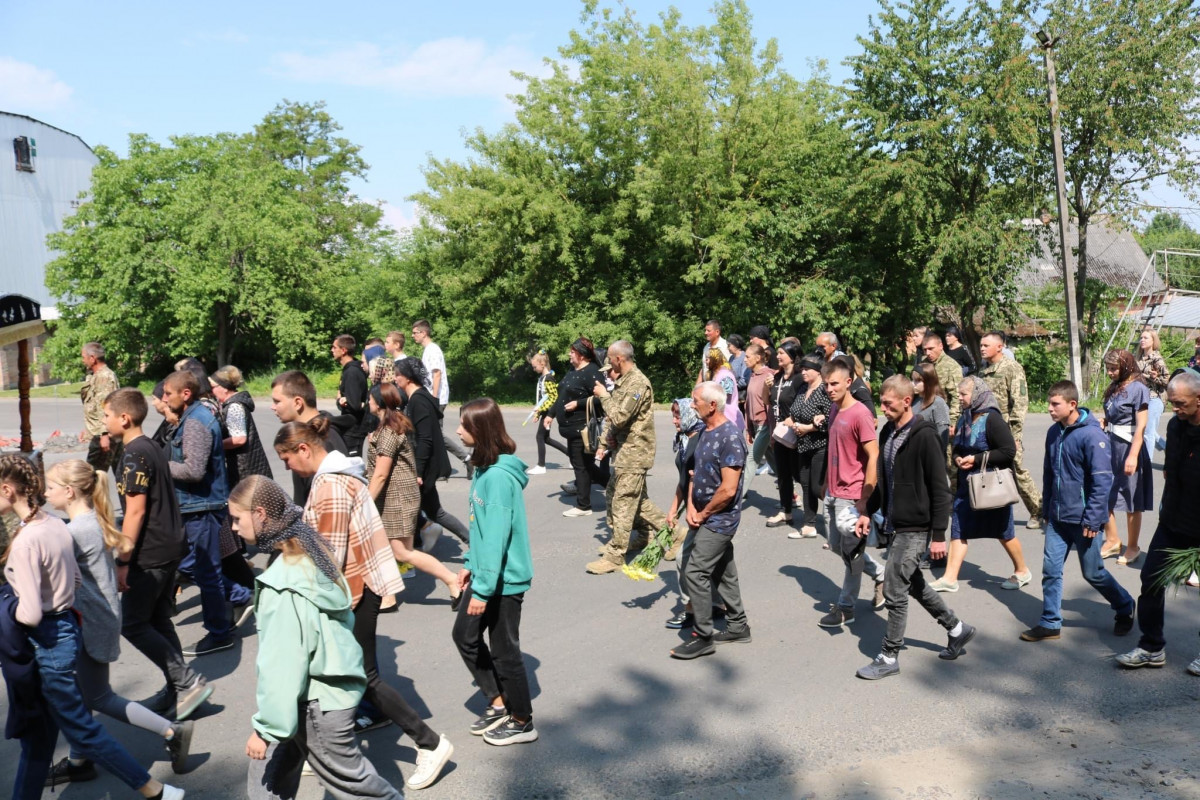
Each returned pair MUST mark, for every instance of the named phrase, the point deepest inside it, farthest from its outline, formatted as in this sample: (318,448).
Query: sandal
(1126,561)
(1109,552)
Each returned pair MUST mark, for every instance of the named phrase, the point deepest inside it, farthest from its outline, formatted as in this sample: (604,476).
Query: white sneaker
(577,512)
(307,771)
(429,536)
(1194,667)
(536,471)
(430,764)
(171,792)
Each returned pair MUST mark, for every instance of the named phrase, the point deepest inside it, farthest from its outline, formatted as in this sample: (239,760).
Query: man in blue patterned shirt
(714,514)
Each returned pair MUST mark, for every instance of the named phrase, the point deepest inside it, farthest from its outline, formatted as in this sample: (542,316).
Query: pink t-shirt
(849,430)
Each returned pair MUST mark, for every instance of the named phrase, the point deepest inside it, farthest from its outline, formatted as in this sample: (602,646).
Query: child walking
(40,567)
(544,399)
(497,571)
(82,492)
(310,668)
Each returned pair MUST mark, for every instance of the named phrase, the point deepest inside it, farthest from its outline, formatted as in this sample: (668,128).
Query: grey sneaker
(489,719)
(732,637)
(878,601)
(1194,667)
(1138,658)
(1017,580)
(955,645)
(1033,524)
(511,732)
(180,745)
(879,669)
(837,617)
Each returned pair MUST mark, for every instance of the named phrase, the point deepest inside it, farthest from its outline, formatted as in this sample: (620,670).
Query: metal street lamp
(1073,347)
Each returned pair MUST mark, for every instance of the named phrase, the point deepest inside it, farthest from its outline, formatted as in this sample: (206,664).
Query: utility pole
(1073,345)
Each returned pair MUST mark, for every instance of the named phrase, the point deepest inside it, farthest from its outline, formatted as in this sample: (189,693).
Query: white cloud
(401,218)
(25,88)
(452,67)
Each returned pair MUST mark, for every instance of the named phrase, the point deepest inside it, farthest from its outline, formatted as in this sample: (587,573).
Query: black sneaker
(490,718)
(741,636)
(956,644)
(837,617)
(694,647)
(180,745)
(364,723)
(66,772)
(209,644)
(879,668)
(192,697)
(1038,634)
(162,702)
(511,732)
(1123,624)
(684,619)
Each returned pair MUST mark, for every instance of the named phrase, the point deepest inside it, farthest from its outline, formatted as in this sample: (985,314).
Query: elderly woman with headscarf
(981,432)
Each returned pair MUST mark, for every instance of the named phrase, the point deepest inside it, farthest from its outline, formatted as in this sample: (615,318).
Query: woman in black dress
(572,411)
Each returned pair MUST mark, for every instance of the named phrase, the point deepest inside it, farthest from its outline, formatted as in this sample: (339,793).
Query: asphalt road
(619,718)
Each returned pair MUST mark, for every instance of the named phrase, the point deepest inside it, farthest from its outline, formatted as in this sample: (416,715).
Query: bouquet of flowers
(643,567)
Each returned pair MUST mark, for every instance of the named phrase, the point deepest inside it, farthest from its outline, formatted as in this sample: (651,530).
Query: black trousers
(787,471)
(586,471)
(431,504)
(1151,603)
(812,477)
(379,693)
(146,622)
(497,665)
(544,438)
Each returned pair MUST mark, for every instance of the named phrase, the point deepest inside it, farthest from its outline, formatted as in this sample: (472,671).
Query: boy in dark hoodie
(1077,477)
(915,500)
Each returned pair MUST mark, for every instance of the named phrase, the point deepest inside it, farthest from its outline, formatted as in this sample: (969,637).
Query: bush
(1044,366)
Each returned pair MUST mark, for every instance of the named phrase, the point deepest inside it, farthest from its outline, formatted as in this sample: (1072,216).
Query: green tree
(660,176)
(935,103)
(212,246)
(1129,105)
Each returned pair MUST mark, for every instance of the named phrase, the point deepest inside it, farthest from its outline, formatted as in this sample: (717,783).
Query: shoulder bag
(995,489)
(591,429)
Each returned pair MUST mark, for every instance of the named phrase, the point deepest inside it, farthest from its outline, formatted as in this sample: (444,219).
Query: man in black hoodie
(915,500)
(355,421)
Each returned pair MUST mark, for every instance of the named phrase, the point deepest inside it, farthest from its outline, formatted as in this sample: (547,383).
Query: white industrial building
(43,172)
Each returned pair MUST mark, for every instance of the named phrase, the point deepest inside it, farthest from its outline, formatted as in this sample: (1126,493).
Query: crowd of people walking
(198,497)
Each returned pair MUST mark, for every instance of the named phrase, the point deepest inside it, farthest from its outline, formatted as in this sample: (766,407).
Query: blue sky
(404,79)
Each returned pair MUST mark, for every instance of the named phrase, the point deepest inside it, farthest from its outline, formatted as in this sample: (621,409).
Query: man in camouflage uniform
(629,430)
(1006,378)
(949,374)
(103,450)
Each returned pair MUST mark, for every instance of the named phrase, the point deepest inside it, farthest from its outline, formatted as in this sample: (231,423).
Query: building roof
(47,124)
(1114,257)
(1178,311)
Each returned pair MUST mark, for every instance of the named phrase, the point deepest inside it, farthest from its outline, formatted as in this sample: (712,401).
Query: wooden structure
(20,321)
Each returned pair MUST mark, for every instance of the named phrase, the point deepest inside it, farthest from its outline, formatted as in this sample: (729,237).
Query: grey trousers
(903,577)
(327,740)
(453,443)
(711,563)
(853,550)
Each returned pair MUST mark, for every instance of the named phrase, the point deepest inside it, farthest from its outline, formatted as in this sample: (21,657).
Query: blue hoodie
(498,556)
(1077,473)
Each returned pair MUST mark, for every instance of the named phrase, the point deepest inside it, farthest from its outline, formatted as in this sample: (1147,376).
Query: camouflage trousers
(1026,487)
(629,507)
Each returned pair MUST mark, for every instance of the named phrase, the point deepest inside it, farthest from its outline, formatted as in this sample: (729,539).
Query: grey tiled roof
(1114,257)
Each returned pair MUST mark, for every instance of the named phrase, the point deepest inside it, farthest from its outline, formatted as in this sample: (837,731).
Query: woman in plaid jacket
(340,508)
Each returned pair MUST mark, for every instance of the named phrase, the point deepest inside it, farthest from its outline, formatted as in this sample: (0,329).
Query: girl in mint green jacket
(498,570)
(310,668)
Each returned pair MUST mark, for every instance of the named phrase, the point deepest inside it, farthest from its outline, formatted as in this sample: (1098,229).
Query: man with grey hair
(713,515)
(1178,528)
(103,451)
(828,342)
(629,431)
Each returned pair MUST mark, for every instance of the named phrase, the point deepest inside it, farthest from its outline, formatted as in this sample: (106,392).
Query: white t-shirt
(433,359)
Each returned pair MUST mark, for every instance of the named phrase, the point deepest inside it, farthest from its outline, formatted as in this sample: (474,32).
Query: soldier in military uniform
(1006,378)
(103,450)
(949,374)
(629,429)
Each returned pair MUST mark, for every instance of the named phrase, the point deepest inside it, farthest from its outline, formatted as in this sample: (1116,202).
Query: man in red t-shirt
(850,479)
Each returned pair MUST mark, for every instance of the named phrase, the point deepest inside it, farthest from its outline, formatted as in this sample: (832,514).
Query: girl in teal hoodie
(497,571)
(310,667)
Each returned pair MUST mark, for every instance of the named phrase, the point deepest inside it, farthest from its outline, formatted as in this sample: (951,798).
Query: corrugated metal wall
(33,204)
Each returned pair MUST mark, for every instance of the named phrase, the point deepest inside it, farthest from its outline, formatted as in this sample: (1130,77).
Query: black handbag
(591,429)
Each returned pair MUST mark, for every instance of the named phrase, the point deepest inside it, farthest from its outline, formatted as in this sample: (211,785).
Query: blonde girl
(41,570)
(83,493)
(544,400)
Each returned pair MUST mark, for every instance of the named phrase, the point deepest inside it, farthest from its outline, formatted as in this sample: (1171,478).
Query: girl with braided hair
(310,668)
(41,569)
(82,492)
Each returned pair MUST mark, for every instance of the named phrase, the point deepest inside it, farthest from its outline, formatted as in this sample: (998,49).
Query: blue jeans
(55,647)
(1154,412)
(1060,538)
(203,531)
